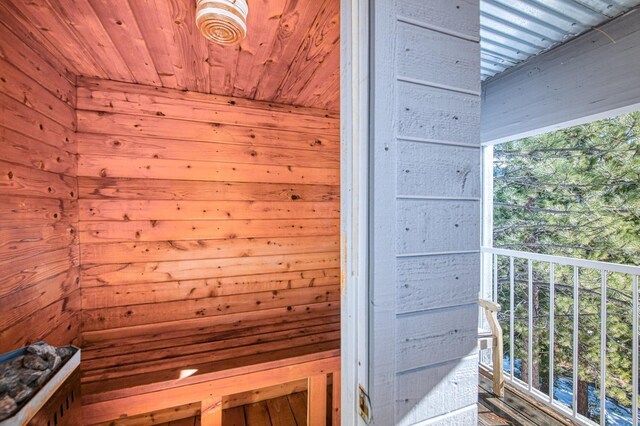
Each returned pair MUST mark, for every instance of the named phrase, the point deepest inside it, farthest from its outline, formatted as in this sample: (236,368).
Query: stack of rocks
(21,377)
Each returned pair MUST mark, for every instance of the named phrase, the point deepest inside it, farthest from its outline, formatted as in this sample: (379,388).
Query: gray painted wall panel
(428,282)
(462,57)
(436,391)
(431,337)
(435,226)
(425,172)
(431,113)
(438,170)
(461,16)
(575,83)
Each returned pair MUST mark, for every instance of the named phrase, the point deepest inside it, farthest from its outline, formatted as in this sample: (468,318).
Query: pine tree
(576,193)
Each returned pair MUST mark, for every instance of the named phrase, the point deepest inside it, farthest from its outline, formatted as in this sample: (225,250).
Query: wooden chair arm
(489,305)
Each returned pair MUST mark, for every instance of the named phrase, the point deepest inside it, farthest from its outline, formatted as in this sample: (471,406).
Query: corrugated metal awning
(511,31)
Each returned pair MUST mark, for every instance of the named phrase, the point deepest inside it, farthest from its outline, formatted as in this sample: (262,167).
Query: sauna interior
(170,205)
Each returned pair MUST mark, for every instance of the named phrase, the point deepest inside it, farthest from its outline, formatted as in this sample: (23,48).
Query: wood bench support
(211,412)
(317,402)
(335,399)
(132,401)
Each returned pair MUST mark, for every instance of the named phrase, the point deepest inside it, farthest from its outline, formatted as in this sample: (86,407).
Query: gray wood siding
(437,170)
(583,80)
(430,282)
(437,114)
(435,226)
(425,217)
(452,388)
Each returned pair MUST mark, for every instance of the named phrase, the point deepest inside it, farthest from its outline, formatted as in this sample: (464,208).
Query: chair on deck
(492,338)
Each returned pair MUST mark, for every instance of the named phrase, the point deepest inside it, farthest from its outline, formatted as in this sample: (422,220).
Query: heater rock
(22,393)
(34,362)
(7,406)
(28,377)
(9,381)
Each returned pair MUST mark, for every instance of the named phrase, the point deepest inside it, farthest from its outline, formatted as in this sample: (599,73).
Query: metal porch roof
(511,31)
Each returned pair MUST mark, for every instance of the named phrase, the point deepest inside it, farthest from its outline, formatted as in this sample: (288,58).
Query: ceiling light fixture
(222,21)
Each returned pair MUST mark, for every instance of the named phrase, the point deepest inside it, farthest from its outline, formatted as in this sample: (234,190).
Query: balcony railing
(557,314)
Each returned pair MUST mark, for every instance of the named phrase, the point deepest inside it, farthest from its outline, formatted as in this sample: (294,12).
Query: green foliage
(576,193)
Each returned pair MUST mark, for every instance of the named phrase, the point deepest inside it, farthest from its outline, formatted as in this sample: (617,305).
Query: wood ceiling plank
(121,25)
(322,38)
(263,22)
(223,63)
(330,99)
(294,26)
(39,14)
(321,87)
(191,52)
(16,33)
(84,23)
(51,77)
(153,30)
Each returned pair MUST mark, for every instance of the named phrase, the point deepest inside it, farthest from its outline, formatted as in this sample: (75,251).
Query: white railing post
(603,348)
(576,312)
(552,327)
(511,314)
(634,373)
(495,278)
(530,318)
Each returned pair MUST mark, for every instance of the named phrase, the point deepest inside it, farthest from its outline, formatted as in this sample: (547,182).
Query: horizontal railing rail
(574,270)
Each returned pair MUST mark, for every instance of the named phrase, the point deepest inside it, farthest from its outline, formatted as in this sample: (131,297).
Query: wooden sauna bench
(141,374)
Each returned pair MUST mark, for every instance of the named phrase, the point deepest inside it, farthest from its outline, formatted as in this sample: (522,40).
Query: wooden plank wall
(199,210)
(425,212)
(39,285)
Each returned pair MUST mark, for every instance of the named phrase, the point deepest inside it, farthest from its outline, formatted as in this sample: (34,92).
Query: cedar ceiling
(291,54)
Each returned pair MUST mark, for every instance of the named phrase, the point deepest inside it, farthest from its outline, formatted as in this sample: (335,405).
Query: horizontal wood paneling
(209,229)
(161,189)
(39,253)
(111,166)
(163,230)
(125,210)
(150,148)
